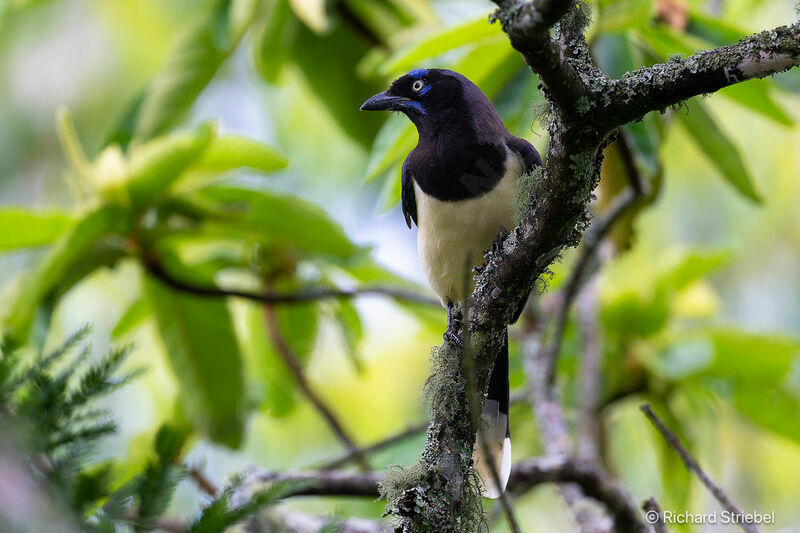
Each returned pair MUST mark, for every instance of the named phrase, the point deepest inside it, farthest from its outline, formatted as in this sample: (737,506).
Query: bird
(459,185)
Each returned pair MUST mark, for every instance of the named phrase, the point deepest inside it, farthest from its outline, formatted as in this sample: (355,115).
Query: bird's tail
(497,433)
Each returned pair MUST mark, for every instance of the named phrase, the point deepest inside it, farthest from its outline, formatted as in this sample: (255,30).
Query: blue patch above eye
(418,73)
(425,90)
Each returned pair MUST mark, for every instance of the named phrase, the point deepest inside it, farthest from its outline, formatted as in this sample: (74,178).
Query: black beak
(382,102)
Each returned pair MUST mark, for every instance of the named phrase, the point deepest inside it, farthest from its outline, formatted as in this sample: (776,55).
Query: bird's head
(439,100)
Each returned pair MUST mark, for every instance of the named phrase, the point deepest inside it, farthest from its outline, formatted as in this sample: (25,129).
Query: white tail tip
(501,456)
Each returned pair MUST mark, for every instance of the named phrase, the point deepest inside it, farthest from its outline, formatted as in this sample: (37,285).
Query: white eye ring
(418,85)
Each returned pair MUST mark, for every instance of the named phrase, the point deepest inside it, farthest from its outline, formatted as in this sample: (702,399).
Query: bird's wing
(408,200)
(526,150)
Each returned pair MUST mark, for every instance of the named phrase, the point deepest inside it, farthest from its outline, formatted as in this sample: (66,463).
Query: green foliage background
(221,138)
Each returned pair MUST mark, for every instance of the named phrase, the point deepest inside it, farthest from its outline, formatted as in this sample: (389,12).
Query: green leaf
(443,41)
(154,166)
(134,315)
(198,52)
(277,218)
(220,514)
(713,30)
(753,358)
(718,148)
(312,13)
(396,138)
(73,256)
(614,53)
(755,95)
(349,321)
(23,228)
(203,351)
(276,40)
(230,152)
(773,409)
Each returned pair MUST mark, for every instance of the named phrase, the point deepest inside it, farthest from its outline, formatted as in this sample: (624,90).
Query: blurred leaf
(713,30)
(349,321)
(396,138)
(197,54)
(390,190)
(755,95)
(335,85)
(753,358)
(614,15)
(720,150)
(24,228)
(691,266)
(281,219)
(265,369)
(70,259)
(275,40)
(230,152)
(312,13)
(675,477)
(614,53)
(154,166)
(134,315)
(438,43)
(203,352)
(772,408)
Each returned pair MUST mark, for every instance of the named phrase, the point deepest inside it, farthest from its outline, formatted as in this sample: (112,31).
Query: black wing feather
(407,198)
(528,153)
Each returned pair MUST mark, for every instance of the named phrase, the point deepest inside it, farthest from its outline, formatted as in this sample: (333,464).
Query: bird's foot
(497,244)
(453,332)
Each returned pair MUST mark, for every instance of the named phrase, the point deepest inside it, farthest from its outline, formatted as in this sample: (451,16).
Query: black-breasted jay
(458,186)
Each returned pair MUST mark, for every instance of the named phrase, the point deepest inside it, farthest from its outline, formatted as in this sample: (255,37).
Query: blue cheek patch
(425,90)
(417,106)
(418,73)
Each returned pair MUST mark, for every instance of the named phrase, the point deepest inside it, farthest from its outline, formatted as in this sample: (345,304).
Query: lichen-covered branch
(666,84)
(440,493)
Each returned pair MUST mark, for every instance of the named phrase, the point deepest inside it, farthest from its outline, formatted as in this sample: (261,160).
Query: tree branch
(378,446)
(655,516)
(666,84)
(525,475)
(528,27)
(296,369)
(694,467)
(155,268)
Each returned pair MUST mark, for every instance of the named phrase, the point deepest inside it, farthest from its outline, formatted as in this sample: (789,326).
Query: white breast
(454,235)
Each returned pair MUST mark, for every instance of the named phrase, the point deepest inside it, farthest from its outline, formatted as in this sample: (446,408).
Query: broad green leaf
(666,42)
(276,218)
(753,358)
(198,52)
(276,40)
(72,257)
(691,266)
(154,166)
(339,88)
(378,16)
(23,228)
(755,95)
(132,317)
(230,152)
(773,409)
(390,190)
(274,384)
(713,30)
(718,148)
(438,43)
(203,351)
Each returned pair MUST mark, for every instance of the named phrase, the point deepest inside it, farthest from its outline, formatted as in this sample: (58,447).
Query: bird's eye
(418,85)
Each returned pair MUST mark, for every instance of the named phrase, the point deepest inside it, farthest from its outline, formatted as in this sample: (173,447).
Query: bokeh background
(699,306)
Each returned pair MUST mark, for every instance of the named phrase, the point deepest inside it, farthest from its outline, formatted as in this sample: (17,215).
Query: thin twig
(345,458)
(296,369)
(654,515)
(202,482)
(694,467)
(155,268)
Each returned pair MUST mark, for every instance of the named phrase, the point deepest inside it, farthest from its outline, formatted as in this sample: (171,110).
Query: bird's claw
(453,338)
